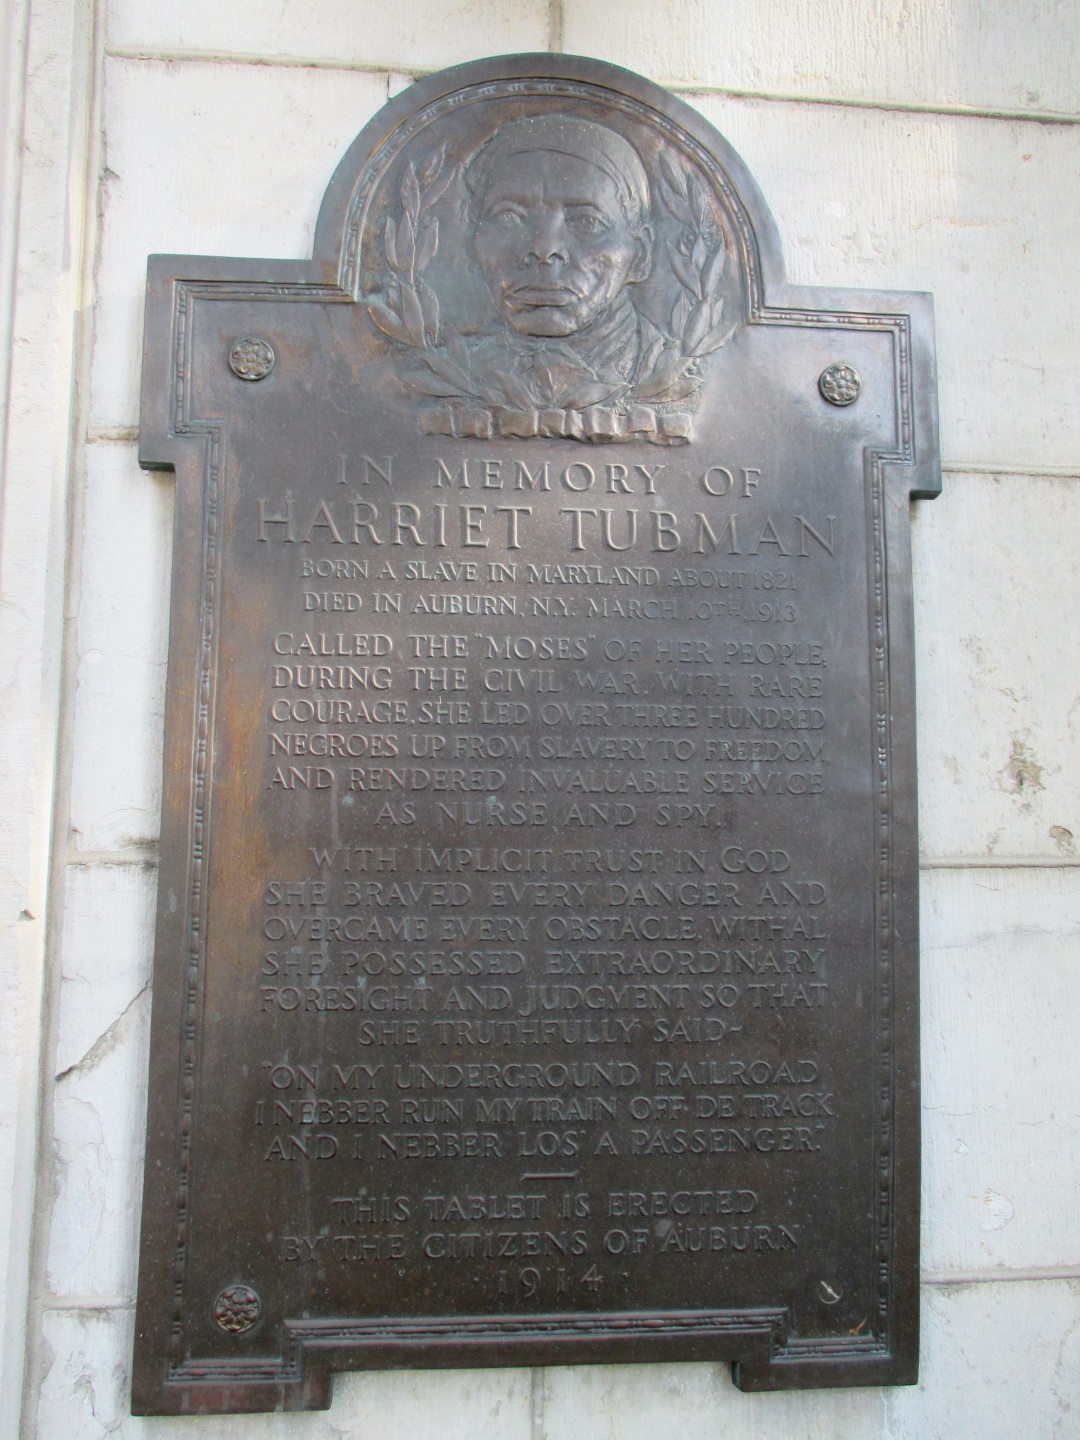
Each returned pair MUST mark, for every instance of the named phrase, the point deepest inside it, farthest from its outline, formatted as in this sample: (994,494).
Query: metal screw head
(251,359)
(829,1291)
(237,1308)
(839,384)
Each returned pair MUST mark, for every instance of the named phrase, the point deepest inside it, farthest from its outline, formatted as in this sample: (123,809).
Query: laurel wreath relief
(410,312)
(560,394)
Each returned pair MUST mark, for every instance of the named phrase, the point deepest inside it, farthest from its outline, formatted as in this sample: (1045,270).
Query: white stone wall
(902,144)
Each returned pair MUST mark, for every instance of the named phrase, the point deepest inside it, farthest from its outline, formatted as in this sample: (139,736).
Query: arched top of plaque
(688,177)
(551,246)
(546,246)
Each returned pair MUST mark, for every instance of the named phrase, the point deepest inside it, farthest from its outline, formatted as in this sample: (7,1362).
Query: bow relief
(557,220)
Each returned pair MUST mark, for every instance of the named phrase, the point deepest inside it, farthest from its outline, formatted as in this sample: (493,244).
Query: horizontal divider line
(999,862)
(112,434)
(1038,472)
(682,87)
(994,1275)
(854,102)
(277,62)
(88,1302)
(131,855)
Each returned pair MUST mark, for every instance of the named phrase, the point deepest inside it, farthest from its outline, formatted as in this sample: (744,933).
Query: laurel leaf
(683,386)
(681,313)
(519,394)
(668,371)
(458,348)
(561,378)
(412,314)
(431,166)
(698,202)
(593,393)
(429,304)
(406,248)
(442,365)
(390,245)
(716,337)
(688,276)
(649,359)
(714,270)
(387,321)
(429,243)
(494,395)
(434,385)
(696,326)
(675,203)
(674,173)
(546,382)
(699,253)
(410,193)
(435,191)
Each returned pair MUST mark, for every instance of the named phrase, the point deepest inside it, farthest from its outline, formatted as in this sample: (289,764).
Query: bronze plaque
(537,936)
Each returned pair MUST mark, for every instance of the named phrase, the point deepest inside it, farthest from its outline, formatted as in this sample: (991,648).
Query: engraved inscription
(529,974)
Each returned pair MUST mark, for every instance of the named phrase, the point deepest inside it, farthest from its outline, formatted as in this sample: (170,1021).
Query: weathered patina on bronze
(537,936)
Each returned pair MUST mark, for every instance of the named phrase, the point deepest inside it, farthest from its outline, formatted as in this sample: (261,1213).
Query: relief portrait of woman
(559,222)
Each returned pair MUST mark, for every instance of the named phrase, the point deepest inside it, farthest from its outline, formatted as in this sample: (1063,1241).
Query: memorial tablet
(537,937)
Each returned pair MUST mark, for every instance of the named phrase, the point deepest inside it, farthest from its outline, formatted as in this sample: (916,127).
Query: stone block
(1001,1070)
(978,212)
(997,667)
(958,52)
(123,637)
(995,1366)
(99,1121)
(107,953)
(212,160)
(409,35)
(86,1390)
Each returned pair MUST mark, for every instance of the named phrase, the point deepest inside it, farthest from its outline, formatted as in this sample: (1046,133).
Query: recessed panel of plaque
(537,936)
